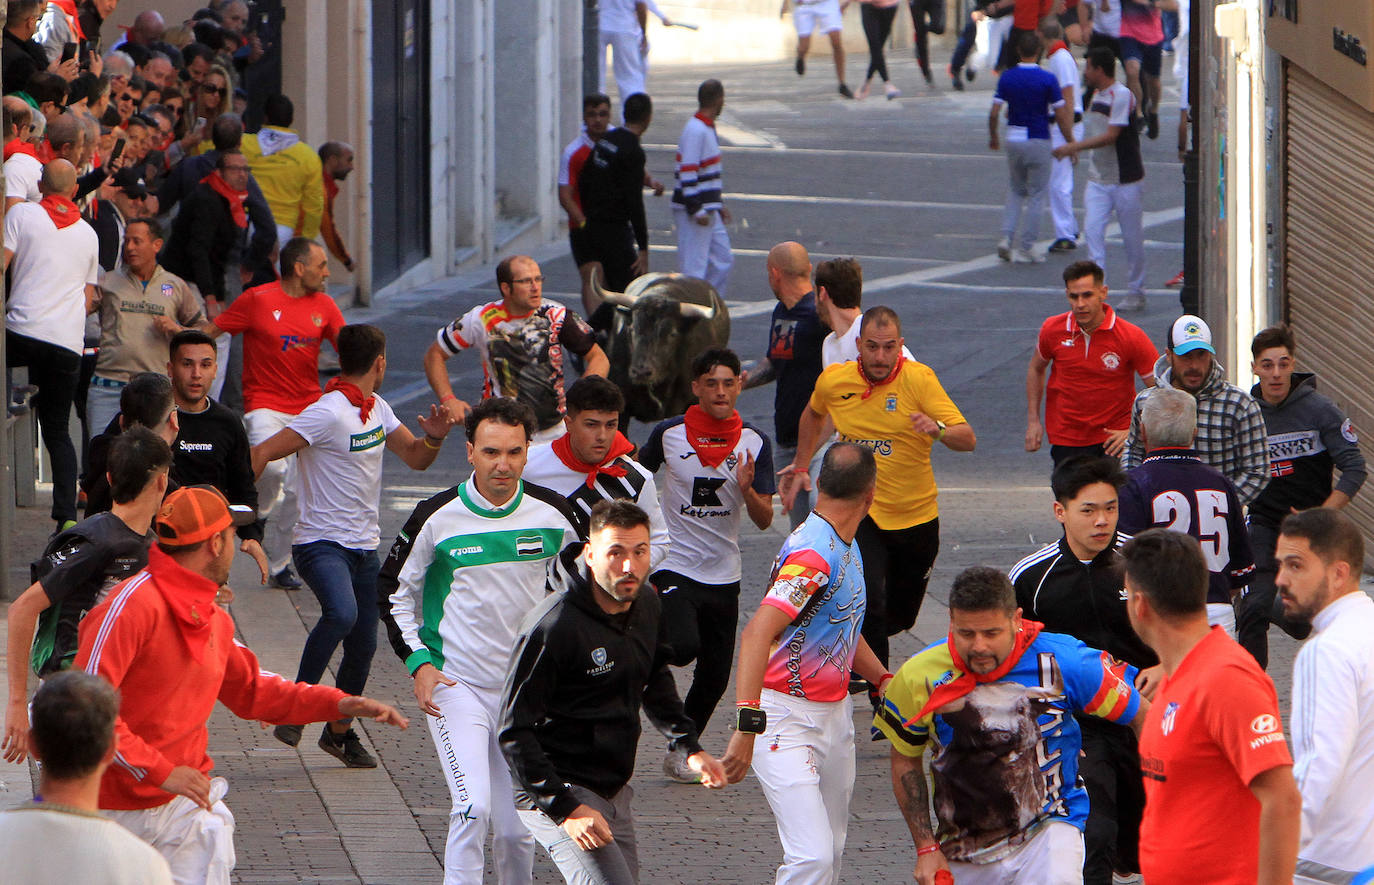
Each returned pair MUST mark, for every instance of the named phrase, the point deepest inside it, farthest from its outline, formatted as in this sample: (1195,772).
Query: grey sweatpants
(1029,164)
(616,863)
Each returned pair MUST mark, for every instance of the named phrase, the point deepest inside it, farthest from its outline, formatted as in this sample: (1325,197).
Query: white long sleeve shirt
(1333,735)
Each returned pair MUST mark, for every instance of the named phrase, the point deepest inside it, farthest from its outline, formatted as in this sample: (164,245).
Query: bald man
(53,256)
(794,352)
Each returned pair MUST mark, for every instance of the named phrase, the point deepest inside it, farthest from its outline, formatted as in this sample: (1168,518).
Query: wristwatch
(751,720)
(942,425)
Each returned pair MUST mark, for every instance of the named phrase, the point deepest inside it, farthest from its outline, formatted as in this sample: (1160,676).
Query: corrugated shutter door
(1329,255)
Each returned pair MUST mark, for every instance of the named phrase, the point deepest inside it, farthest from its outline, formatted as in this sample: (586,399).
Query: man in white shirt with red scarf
(715,466)
(591,462)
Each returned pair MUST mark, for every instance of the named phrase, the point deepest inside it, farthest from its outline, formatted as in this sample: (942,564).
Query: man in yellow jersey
(896,407)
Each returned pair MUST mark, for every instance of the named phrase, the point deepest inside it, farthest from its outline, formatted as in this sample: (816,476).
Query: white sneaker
(1131,302)
(1028,256)
(1004,249)
(676,768)
(1127,879)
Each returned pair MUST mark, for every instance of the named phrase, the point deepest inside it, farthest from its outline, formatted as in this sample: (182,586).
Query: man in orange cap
(160,639)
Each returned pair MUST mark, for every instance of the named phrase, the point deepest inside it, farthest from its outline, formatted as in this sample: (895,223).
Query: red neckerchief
(234,198)
(354,394)
(68,8)
(957,688)
(19,146)
(61,210)
(1058,45)
(872,385)
(331,187)
(562,447)
(44,153)
(705,119)
(713,440)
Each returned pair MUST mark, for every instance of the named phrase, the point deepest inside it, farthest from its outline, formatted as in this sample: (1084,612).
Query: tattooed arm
(913,798)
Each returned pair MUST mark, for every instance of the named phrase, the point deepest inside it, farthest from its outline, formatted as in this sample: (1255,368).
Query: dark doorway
(400,137)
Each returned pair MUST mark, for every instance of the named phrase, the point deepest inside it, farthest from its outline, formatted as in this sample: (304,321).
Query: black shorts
(1150,55)
(1100,39)
(1010,56)
(612,243)
(1068,18)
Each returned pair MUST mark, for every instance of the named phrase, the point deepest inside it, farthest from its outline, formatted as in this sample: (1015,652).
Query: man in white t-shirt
(839,300)
(62,836)
(54,262)
(828,15)
(22,166)
(340,439)
(624,28)
(716,467)
(1060,62)
(591,462)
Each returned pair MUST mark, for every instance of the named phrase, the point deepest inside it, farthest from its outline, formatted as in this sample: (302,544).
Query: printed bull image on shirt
(521,353)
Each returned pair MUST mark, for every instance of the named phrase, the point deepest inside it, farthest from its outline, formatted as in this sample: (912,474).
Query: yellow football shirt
(881,421)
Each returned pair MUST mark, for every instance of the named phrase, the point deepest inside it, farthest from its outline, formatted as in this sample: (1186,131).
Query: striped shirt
(697,174)
(1230,431)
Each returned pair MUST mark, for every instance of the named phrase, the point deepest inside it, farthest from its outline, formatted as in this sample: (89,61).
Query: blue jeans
(345,583)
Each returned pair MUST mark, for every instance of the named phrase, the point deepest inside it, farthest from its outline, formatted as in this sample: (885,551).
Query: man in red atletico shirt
(163,643)
(283,324)
(1096,356)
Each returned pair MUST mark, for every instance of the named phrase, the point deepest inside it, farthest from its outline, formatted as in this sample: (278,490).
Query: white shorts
(823,13)
(198,844)
(1224,614)
(805,763)
(1053,856)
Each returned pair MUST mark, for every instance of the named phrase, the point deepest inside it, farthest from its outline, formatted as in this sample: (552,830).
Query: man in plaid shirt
(1230,427)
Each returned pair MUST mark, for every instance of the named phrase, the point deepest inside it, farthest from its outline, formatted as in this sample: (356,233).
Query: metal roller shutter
(1329,274)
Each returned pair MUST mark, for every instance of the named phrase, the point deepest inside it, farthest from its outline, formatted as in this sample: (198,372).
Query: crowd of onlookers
(166,157)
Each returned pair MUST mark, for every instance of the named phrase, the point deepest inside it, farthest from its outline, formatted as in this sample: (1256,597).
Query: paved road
(908,187)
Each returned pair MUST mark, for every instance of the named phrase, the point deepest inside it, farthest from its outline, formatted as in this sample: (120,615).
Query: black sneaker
(956,82)
(1063,244)
(1152,125)
(970,73)
(286,580)
(801,65)
(846,91)
(346,748)
(288,734)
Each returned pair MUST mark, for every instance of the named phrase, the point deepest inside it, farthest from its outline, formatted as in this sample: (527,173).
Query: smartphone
(200,124)
(263,21)
(68,51)
(117,150)
(83,55)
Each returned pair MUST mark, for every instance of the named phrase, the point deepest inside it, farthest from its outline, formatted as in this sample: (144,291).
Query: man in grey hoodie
(1308,434)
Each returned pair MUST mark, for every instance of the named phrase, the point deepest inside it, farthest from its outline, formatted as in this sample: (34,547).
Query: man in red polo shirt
(283,324)
(1221,805)
(1096,356)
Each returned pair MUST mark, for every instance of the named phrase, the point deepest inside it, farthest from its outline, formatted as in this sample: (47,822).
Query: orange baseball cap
(194,513)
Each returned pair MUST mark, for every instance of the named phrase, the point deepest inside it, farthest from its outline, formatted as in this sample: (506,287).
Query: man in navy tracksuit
(1307,434)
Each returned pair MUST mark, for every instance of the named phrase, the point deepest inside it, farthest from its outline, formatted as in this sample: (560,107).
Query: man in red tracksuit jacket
(160,639)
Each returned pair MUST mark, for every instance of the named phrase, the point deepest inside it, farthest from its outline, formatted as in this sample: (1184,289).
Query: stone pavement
(907,186)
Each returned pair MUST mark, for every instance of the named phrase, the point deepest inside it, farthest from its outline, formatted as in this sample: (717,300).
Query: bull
(662,321)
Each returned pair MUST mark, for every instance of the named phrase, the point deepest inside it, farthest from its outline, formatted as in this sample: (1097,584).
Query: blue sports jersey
(1006,754)
(1031,94)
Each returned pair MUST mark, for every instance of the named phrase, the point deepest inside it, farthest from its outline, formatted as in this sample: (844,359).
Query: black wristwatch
(751,720)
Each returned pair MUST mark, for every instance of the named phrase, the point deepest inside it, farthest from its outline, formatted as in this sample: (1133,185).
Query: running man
(466,569)
(716,466)
(795,660)
(699,214)
(591,462)
(588,242)
(828,15)
(340,439)
(997,702)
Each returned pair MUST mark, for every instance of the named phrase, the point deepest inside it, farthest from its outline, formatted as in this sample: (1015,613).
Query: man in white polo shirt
(53,256)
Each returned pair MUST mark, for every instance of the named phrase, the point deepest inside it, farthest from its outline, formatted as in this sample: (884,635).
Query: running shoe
(892,91)
(1063,244)
(1004,249)
(347,748)
(1028,256)
(676,767)
(1152,125)
(846,91)
(969,74)
(288,734)
(1131,302)
(863,90)
(801,66)
(1176,282)
(286,580)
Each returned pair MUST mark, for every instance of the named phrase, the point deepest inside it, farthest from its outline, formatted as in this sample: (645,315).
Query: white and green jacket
(462,575)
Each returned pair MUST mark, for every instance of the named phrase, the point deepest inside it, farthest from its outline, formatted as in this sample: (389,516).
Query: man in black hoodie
(1307,435)
(586,660)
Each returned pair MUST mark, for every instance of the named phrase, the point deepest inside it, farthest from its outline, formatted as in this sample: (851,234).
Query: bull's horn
(695,310)
(618,298)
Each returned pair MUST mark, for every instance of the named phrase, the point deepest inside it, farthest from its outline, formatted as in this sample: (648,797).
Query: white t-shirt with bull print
(341,471)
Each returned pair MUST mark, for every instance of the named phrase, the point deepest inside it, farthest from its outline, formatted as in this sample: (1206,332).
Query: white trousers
(1061,187)
(628,61)
(277,488)
(479,785)
(703,250)
(1223,614)
(805,764)
(1053,856)
(1100,201)
(198,844)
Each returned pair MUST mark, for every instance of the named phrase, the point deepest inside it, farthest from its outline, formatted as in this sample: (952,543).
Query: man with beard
(336,161)
(896,407)
(1230,427)
(569,730)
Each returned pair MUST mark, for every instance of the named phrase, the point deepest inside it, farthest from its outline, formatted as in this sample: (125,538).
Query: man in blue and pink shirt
(796,655)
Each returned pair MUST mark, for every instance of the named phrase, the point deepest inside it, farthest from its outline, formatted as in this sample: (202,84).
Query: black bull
(662,322)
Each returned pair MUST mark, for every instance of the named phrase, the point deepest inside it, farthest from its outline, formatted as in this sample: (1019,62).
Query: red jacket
(162,641)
